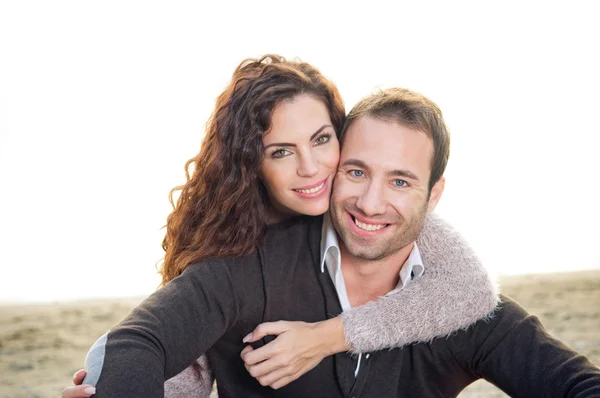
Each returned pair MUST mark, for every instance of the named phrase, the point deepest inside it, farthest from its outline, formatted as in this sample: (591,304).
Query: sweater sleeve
(454,292)
(195,381)
(165,333)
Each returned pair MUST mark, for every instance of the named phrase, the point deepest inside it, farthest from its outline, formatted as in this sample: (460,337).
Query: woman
(270,154)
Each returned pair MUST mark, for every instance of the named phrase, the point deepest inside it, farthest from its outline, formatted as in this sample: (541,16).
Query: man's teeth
(369,227)
(312,190)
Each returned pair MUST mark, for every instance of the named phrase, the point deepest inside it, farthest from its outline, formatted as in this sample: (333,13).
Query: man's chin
(359,251)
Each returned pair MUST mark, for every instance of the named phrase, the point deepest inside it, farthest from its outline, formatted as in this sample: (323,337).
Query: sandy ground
(41,346)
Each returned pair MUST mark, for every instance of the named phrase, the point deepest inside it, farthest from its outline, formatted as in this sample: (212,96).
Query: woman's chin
(313,210)
(314,206)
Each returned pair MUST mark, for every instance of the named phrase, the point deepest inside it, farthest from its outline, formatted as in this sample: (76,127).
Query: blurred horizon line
(583,273)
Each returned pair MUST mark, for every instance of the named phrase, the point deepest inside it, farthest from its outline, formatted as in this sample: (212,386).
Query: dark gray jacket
(214,304)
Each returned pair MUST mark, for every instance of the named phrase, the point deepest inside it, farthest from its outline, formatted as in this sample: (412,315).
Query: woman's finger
(246,350)
(269,378)
(279,364)
(257,355)
(277,380)
(284,381)
(82,391)
(266,329)
(79,376)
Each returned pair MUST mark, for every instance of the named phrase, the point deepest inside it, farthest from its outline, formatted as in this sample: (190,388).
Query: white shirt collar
(331,258)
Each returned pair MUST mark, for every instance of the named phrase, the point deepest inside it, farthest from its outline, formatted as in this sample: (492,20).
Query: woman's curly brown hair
(221,209)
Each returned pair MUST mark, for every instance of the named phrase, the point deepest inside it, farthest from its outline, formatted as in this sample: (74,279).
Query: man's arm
(166,333)
(515,352)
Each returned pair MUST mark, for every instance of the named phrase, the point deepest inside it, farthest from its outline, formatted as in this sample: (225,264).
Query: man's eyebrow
(312,137)
(403,173)
(356,163)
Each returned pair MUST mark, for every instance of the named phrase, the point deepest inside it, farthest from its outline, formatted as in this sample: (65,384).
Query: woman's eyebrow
(316,133)
(312,137)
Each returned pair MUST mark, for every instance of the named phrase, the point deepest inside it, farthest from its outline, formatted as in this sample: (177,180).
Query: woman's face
(301,154)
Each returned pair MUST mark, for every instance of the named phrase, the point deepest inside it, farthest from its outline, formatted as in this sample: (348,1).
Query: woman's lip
(316,194)
(311,186)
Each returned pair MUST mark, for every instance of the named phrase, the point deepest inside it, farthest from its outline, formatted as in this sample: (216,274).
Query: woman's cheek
(332,158)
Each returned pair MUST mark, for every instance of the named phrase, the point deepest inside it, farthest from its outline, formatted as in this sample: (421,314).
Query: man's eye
(356,173)
(324,139)
(400,183)
(280,153)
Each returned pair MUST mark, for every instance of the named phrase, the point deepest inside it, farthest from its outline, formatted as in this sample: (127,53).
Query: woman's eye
(400,183)
(280,153)
(356,173)
(324,139)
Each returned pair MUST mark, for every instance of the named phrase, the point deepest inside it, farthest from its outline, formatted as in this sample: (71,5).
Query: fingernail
(89,390)
(248,337)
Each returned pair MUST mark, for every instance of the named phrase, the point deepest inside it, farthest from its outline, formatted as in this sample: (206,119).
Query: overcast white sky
(101,104)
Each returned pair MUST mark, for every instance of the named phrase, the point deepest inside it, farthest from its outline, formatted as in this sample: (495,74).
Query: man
(394,152)
(391,174)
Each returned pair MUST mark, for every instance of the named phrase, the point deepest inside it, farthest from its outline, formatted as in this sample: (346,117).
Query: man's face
(380,193)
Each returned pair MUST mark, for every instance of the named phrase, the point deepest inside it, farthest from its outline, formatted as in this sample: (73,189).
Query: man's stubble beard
(362,248)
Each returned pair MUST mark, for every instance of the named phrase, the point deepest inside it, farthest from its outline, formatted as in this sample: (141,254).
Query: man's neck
(366,280)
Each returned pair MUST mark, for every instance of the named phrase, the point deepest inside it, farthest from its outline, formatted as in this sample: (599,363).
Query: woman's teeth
(312,190)
(369,227)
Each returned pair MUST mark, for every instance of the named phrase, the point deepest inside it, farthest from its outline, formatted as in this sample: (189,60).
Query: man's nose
(307,166)
(372,200)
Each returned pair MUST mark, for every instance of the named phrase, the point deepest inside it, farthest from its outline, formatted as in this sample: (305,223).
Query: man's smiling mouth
(368,227)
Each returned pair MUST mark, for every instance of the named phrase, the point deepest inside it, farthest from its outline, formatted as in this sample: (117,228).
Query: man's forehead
(367,130)
(388,144)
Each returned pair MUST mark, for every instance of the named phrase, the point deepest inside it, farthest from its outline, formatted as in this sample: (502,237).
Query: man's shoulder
(509,311)
(504,318)
(515,352)
(507,318)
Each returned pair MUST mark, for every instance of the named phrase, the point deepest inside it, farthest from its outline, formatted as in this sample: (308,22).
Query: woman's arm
(158,339)
(195,381)
(454,292)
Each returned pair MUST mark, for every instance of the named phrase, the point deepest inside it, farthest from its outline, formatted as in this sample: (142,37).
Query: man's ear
(436,193)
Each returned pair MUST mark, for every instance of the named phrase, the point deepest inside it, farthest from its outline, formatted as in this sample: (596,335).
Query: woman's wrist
(332,335)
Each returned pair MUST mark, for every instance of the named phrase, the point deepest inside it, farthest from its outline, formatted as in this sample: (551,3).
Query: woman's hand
(299,347)
(80,390)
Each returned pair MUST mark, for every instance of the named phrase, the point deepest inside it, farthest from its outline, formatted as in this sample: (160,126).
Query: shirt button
(367,356)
